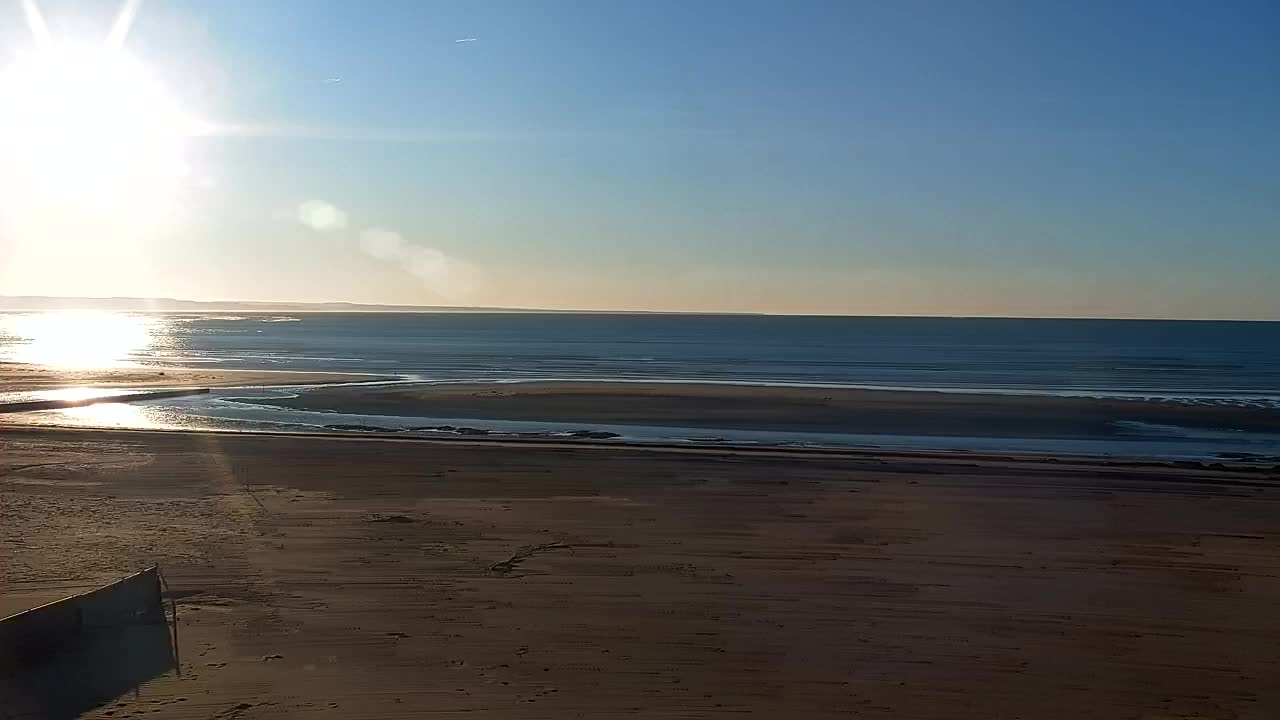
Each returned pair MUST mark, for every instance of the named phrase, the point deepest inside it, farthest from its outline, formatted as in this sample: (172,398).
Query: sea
(1186,361)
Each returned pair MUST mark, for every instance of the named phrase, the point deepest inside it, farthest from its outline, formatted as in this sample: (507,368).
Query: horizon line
(424,309)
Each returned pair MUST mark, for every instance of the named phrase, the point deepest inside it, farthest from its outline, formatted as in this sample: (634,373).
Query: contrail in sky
(462,40)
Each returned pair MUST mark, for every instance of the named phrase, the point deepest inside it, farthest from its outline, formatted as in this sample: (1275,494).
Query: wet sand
(787,409)
(375,578)
(15,377)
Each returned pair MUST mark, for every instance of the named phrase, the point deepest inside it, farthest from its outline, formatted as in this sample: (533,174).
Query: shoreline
(643,413)
(18,378)
(1234,463)
(1094,393)
(723,406)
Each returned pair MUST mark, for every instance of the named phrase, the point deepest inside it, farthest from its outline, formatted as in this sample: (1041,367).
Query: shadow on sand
(97,668)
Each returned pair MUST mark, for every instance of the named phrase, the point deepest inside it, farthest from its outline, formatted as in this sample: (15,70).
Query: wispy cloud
(322,216)
(465,40)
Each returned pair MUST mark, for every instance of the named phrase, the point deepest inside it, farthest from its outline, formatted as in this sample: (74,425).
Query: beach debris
(511,564)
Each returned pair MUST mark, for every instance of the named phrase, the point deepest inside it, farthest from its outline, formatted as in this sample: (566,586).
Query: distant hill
(128,304)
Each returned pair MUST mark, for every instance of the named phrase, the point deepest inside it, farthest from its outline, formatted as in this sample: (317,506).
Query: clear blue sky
(946,157)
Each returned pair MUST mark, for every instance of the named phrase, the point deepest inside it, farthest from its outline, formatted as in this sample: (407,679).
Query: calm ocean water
(1238,359)
(1197,362)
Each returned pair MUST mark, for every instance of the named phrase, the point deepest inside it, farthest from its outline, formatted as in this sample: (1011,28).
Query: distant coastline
(40,303)
(33,303)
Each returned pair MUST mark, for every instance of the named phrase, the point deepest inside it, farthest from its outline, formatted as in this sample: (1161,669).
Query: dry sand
(798,409)
(325,578)
(16,377)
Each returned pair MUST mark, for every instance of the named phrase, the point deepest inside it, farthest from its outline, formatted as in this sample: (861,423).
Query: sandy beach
(780,408)
(18,377)
(380,578)
(586,360)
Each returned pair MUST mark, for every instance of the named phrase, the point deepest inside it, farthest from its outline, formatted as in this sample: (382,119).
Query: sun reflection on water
(111,415)
(101,415)
(77,339)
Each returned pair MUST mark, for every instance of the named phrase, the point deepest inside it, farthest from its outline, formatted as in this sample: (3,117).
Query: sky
(946,158)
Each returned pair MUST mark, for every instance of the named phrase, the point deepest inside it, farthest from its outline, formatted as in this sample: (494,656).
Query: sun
(93,166)
(87,128)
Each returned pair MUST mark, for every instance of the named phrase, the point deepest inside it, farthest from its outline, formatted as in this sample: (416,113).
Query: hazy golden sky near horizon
(817,157)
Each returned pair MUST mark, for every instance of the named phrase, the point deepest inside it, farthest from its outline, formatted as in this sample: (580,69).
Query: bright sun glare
(78,340)
(87,128)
